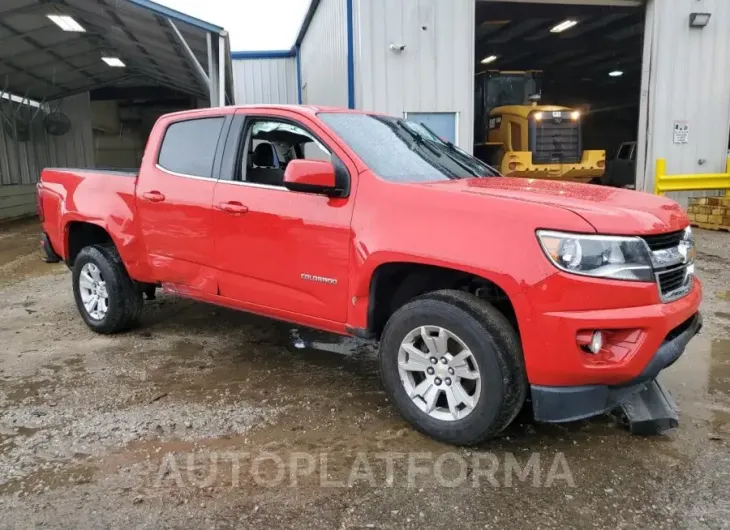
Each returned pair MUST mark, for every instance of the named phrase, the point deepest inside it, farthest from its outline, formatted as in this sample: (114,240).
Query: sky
(252,24)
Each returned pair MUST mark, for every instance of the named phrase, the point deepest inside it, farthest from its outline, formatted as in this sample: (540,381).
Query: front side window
(189,146)
(403,151)
(271,144)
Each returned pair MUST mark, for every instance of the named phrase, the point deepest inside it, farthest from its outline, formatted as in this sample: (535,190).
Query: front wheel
(106,297)
(453,366)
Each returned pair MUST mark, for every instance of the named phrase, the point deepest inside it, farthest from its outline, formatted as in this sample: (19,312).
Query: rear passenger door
(174,200)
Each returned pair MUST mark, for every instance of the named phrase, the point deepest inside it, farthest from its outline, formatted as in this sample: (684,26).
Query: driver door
(275,248)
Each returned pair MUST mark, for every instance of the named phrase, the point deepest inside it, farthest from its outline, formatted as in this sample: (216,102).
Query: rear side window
(189,146)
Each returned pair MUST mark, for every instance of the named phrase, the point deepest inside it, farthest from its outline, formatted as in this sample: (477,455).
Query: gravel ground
(205,417)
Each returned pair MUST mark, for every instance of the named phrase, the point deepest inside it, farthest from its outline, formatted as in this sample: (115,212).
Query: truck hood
(608,210)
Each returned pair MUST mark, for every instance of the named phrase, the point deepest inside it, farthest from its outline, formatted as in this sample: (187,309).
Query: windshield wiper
(418,138)
(452,148)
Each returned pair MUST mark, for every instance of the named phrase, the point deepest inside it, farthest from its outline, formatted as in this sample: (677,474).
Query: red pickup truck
(485,292)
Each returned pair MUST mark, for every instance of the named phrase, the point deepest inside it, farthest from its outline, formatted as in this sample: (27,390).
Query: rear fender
(124,236)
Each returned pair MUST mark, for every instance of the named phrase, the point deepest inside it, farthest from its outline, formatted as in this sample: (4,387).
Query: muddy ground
(205,417)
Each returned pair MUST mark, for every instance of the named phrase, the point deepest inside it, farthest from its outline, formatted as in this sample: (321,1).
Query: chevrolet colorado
(484,292)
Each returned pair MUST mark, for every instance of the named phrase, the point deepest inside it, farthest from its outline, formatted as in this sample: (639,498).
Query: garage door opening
(565,81)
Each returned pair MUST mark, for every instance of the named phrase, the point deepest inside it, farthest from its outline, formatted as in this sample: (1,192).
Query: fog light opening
(591,341)
(596,342)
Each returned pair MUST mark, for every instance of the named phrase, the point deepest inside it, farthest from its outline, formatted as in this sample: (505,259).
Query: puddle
(20,254)
(47,479)
(722,314)
(721,423)
(719,375)
(26,390)
(27,431)
(55,368)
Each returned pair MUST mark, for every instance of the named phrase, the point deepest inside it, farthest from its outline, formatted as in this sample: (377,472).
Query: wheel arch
(392,284)
(80,233)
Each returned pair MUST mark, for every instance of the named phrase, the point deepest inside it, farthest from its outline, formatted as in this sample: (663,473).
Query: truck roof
(303,109)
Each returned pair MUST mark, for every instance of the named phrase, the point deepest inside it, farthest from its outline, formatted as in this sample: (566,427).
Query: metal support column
(221,71)
(212,72)
(189,55)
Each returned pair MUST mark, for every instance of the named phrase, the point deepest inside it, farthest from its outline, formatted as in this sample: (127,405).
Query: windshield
(403,151)
(509,90)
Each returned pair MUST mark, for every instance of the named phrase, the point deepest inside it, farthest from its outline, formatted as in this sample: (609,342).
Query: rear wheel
(452,364)
(106,297)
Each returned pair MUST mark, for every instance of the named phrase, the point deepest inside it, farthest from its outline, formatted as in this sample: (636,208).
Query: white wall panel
(262,81)
(688,80)
(323,55)
(435,70)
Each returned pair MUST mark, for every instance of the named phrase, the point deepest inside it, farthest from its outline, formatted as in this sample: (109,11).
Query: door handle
(233,207)
(153,196)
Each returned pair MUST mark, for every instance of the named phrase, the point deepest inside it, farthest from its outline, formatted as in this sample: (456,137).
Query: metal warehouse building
(653,72)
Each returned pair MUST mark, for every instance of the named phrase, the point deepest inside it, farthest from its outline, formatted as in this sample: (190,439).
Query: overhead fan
(56,123)
(17,117)
(17,127)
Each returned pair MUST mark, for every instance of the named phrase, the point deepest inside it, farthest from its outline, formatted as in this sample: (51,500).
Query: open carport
(82,82)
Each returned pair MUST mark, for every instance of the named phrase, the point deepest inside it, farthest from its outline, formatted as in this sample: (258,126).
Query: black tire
(496,349)
(125,300)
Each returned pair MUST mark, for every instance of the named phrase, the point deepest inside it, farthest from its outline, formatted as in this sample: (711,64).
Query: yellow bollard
(661,170)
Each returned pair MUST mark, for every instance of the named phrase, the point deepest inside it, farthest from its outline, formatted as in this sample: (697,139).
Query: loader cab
(524,137)
(495,88)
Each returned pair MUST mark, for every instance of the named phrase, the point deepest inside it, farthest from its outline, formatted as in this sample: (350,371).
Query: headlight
(620,258)
(687,246)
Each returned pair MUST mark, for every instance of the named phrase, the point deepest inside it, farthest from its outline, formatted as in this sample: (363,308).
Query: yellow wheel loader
(521,137)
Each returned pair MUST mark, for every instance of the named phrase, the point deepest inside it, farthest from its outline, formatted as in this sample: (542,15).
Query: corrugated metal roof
(41,61)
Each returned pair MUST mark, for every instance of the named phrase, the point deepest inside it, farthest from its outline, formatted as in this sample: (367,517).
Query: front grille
(663,241)
(674,282)
(556,141)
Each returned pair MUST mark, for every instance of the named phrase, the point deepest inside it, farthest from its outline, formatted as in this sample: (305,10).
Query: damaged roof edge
(305,23)
(177,15)
(264,54)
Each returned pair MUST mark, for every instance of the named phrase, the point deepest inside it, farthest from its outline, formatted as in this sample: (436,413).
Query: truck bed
(107,196)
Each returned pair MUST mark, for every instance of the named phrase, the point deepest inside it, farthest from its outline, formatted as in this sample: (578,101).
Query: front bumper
(591,165)
(555,404)
(636,323)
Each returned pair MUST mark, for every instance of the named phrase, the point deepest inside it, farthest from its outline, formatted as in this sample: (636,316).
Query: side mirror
(312,176)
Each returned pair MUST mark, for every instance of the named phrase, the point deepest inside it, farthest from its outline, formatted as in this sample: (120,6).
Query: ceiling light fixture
(565,24)
(115,62)
(66,23)
(489,59)
(616,73)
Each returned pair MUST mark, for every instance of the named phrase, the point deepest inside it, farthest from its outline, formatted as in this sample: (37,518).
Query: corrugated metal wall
(261,81)
(435,70)
(688,79)
(22,162)
(323,55)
